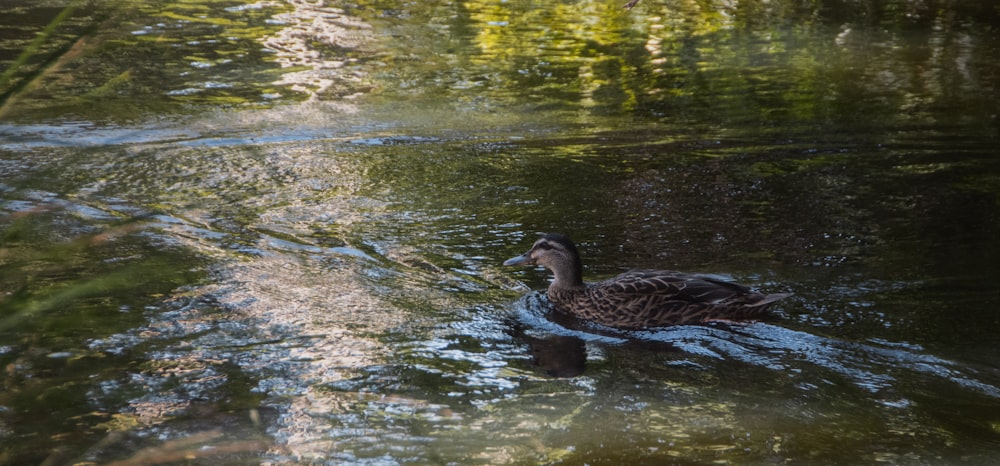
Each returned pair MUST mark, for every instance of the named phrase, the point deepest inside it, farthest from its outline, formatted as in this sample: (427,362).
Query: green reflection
(121,61)
(765,66)
(66,283)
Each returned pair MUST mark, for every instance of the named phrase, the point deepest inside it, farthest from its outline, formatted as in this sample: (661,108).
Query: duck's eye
(544,246)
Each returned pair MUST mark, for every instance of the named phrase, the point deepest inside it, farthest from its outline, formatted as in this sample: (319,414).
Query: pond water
(273,232)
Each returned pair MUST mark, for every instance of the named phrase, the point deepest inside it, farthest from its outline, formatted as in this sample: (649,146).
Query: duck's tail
(768,299)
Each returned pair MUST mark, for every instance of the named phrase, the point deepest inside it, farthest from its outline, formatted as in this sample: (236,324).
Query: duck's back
(650,298)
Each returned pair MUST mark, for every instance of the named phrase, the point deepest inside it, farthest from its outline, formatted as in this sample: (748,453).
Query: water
(272,232)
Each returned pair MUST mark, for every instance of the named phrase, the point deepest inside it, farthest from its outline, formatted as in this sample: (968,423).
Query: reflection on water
(308,31)
(272,232)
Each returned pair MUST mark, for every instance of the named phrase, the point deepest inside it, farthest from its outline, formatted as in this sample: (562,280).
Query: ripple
(877,368)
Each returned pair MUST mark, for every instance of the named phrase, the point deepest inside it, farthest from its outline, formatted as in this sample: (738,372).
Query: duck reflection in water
(558,355)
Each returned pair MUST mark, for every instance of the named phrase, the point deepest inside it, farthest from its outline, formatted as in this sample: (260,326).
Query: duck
(641,298)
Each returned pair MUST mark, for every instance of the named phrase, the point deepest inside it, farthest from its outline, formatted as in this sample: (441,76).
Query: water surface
(272,232)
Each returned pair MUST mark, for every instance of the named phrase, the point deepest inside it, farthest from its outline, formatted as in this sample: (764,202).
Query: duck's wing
(675,286)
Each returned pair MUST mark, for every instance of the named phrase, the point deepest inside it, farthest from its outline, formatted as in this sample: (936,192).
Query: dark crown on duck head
(552,240)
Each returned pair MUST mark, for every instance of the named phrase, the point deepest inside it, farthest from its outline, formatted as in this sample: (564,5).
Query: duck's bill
(519,260)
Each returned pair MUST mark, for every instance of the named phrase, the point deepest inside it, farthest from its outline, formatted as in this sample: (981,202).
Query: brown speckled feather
(641,298)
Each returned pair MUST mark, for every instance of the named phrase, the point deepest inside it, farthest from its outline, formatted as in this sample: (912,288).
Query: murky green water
(272,232)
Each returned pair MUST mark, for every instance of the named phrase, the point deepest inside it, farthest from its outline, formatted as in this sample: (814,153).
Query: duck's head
(557,253)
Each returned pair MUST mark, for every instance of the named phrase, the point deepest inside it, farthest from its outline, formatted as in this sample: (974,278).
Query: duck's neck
(568,273)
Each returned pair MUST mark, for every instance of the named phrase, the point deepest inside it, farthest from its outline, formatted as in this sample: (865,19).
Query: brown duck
(640,298)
